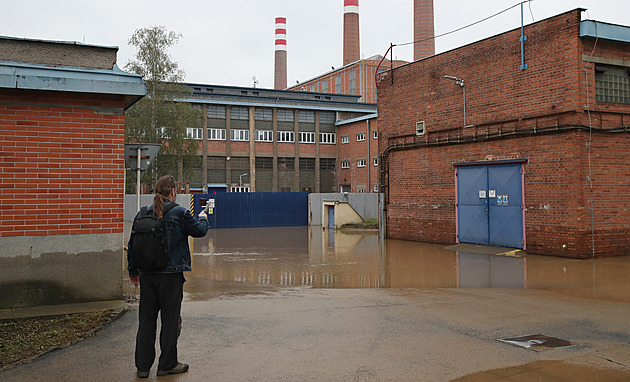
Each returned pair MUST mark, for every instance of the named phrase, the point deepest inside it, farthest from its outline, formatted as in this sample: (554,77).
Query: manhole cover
(537,342)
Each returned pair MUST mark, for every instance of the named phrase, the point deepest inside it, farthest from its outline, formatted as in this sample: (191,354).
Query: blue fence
(253,209)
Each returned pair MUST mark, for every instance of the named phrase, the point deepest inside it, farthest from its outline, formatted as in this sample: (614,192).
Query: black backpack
(147,246)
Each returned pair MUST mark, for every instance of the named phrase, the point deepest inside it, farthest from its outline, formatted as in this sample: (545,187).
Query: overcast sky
(228,42)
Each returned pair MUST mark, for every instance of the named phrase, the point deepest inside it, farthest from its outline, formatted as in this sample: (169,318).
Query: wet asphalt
(306,334)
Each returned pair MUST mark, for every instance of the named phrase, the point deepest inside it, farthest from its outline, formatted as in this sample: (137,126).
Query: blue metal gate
(254,209)
(490,205)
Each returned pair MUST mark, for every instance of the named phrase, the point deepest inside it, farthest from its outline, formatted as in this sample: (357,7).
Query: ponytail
(163,188)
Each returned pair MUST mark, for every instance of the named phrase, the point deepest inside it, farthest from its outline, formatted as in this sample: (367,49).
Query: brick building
(481,146)
(269,140)
(358,155)
(62,171)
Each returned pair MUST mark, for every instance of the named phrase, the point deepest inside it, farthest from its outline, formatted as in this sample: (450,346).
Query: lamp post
(460,82)
(240,180)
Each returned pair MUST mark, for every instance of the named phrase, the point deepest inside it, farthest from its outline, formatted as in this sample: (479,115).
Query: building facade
(488,144)
(267,140)
(358,155)
(62,134)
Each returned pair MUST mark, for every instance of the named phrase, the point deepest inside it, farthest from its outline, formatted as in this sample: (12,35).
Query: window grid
(263,114)
(328,138)
(286,136)
(360,162)
(216,111)
(216,134)
(239,189)
(360,137)
(264,136)
(345,164)
(612,84)
(307,137)
(194,133)
(307,163)
(327,163)
(306,116)
(239,113)
(285,115)
(345,139)
(327,117)
(239,135)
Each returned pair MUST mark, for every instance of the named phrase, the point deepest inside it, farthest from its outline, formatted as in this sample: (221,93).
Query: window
(307,163)
(612,84)
(264,163)
(375,161)
(306,137)
(327,117)
(286,163)
(285,115)
(338,84)
(352,82)
(360,162)
(239,135)
(216,134)
(263,114)
(194,133)
(327,163)
(286,136)
(360,137)
(264,136)
(345,164)
(306,116)
(345,139)
(312,88)
(328,138)
(375,189)
(324,85)
(239,189)
(215,111)
(361,188)
(375,134)
(239,113)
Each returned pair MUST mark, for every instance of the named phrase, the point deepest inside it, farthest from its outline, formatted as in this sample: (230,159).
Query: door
(331,217)
(490,205)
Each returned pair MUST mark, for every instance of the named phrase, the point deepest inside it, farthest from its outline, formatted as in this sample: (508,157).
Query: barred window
(327,163)
(239,135)
(216,134)
(216,111)
(263,114)
(286,136)
(287,163)
(285,115)
(239,113)
(264,136)
(328,138)
(307,163)
(306,137)
(612,84)
(264,163)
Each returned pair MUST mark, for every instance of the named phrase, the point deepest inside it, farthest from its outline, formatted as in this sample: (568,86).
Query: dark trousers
(159,292)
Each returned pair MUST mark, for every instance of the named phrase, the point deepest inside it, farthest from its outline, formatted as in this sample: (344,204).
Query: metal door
(490,205)
(331,217)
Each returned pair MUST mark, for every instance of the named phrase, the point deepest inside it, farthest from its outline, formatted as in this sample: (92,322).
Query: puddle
(257,260)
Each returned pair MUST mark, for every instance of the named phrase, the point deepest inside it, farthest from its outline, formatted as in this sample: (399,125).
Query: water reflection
(229,261)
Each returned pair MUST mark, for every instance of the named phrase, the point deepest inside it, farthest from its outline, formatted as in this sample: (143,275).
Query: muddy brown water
(255,260)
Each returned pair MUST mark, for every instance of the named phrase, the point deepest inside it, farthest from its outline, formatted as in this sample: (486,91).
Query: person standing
(162,291)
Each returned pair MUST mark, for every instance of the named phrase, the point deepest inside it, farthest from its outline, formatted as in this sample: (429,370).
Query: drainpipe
(367,160)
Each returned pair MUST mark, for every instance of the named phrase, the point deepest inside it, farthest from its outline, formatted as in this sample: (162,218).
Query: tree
(159,117)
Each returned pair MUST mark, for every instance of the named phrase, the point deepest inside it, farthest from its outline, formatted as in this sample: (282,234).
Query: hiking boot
(180,368)
(142,374)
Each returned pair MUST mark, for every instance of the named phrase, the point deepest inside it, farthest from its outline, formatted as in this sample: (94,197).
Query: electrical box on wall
(420,128)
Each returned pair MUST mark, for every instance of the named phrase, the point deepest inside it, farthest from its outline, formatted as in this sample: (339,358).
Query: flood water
(256,260)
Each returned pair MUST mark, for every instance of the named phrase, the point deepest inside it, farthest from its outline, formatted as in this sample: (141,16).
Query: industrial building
(519,140)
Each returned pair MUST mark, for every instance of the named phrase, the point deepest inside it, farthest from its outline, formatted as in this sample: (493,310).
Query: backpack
(147,246)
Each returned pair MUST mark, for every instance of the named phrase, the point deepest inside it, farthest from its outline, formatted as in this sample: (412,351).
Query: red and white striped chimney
(280,62)
(351,48)
(423,29)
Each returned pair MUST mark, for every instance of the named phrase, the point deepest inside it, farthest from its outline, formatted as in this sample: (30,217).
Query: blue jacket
(179,224)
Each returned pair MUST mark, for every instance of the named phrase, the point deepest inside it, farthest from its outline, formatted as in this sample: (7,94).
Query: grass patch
(24,339)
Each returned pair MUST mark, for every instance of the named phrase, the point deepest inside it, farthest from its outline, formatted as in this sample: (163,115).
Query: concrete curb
(56,310)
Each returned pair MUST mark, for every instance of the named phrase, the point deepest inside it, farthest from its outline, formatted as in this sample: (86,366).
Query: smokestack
(351,48)
(280,62)
(423,29)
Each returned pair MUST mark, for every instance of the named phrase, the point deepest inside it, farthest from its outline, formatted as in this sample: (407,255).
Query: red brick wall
(61,164)
(354,150)
(508,109)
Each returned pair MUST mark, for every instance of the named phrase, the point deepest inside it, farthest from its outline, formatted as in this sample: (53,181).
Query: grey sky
(228,42)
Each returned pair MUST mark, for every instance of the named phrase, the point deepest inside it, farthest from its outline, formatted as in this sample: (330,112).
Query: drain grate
(537,342)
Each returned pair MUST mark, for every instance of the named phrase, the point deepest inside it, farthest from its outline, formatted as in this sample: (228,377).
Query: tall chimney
(280,62)
(423,29)
(351,48)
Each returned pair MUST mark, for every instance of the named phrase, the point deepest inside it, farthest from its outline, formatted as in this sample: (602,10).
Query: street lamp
(460,82)
(240,180)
